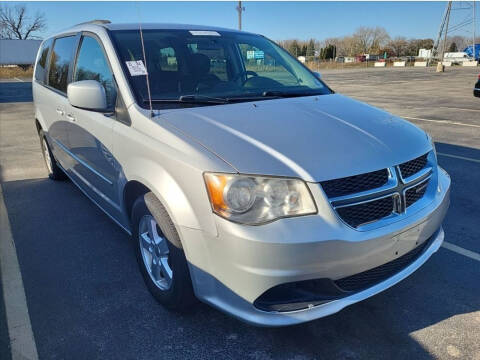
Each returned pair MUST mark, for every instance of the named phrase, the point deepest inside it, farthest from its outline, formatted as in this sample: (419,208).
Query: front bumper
(235,268)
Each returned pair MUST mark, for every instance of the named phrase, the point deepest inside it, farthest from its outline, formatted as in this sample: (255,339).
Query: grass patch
(16,71)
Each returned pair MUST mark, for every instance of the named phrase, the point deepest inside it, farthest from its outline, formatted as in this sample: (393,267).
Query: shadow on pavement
(15,92)
(87,299)
(4,337)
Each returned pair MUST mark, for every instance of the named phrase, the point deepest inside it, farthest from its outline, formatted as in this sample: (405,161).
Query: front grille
(373,276)
(371,188)
(415,193)
(412,167)
(356,215)
(355,184)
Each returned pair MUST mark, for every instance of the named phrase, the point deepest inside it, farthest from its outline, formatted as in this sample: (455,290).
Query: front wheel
(54,171)
(162,264)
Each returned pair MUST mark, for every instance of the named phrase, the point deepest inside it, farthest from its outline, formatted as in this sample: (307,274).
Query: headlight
(255,200)
(433,146)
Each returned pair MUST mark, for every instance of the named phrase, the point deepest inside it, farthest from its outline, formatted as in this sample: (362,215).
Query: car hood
(315,138)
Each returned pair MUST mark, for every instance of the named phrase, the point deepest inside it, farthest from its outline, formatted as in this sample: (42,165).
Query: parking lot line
(441,121)
(20,80)
(459,157)
(458,108)
(22,342)
(459,250)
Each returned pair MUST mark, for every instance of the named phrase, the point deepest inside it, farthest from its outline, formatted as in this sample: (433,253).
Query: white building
(424,53)
(18,52)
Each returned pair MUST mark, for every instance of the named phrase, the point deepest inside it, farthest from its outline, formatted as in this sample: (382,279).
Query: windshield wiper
(284,94)
(270,94)
(191,99)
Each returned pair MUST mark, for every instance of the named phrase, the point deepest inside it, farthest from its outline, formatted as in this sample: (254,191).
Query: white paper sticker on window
(136,68)
(204,33)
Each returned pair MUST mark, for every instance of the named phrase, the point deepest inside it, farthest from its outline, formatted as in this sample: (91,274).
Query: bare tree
(15,23)
(370,39)
(414,45)
(398,46)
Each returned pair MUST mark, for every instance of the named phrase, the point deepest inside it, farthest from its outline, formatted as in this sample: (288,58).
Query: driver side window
(92,65)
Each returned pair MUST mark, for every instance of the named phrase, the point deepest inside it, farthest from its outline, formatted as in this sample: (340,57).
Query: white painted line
(442,121)
(15,78)
(459,157)
(457,108)
(461,251)
(22,342)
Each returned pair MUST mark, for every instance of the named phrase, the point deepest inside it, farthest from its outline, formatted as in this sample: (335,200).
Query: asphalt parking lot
(86,299)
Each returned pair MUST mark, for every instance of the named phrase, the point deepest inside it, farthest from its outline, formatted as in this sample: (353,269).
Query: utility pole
(473,45)
(446,30)
(435,50)
(240,9)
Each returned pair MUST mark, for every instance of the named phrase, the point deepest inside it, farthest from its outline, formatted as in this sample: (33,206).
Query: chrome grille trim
(421,174)
(388,188)
(396,187)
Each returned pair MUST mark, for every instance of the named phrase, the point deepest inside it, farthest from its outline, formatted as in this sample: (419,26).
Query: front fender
(192,212)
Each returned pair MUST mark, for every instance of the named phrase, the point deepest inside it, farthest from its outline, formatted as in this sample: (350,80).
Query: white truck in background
(457,57)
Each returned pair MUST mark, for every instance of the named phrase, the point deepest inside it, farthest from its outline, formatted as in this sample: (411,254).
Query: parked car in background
(244,180)
(476,88)
(360,58)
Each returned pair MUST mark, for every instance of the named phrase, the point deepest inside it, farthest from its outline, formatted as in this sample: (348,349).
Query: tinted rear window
(60,62)
(41,66)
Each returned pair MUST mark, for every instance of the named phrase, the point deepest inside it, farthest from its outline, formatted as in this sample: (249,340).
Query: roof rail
(95,22)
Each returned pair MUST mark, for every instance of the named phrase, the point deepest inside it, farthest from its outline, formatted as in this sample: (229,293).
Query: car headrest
(200,64)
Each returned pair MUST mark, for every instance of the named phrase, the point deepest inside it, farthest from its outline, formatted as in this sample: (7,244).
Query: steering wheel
(248,72)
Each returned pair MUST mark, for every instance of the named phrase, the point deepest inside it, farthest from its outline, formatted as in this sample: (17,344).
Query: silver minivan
(244,180)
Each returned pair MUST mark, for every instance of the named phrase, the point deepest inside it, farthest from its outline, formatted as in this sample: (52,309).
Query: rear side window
(60,62)
(92,65)
(41,67)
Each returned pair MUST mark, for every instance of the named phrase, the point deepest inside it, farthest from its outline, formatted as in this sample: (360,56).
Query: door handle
(70,117)
(60,111)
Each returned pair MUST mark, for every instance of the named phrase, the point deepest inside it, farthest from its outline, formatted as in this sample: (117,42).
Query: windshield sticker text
(136,68)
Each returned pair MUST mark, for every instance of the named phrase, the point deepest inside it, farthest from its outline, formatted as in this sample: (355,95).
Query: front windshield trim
(246,96)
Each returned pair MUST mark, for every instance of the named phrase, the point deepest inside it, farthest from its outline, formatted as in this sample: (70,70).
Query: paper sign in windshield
(255,54)
(204,33)
(136,68)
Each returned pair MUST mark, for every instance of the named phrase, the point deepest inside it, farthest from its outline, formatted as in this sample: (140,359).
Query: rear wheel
(162,264)
(54,171)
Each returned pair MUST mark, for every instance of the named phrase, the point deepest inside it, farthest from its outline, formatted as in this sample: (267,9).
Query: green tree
(294,48)
(310,48)
(453,47)
(328,52)
(303,51)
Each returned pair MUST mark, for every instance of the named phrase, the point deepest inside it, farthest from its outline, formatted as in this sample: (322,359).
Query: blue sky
(277,20)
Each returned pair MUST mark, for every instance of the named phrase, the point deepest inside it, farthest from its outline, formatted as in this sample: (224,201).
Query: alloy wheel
(154,250)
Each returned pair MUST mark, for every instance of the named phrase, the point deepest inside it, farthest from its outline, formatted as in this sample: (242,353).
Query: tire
(176,294)
(54,171)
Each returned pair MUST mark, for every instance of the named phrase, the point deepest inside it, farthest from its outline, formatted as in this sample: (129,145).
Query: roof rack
(95,22)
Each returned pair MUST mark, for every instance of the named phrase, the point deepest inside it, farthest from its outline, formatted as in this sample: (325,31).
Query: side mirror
(88,95)
(317,74)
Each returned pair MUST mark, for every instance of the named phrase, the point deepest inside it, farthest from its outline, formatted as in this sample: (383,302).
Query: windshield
(195,66)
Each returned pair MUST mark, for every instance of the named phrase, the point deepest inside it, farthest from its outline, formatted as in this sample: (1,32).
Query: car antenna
(145,62)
